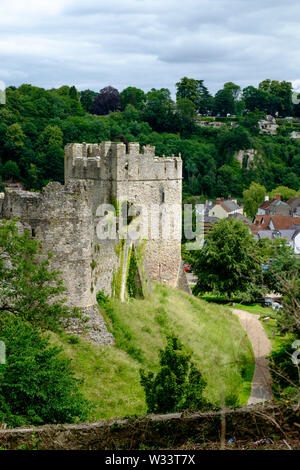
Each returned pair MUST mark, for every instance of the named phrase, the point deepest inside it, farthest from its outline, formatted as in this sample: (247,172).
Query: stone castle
(65,218)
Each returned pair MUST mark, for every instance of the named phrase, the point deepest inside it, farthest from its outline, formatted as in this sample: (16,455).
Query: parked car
(187,268)
(276,306)
(267,302)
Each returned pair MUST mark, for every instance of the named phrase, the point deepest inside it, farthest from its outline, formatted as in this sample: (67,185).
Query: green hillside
(219,346)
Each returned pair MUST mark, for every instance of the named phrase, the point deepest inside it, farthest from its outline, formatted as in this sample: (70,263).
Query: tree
(133,96)
(50,153)
(283,277)
(224,102)
(106,101)
(280,96)
(229,262)
(87,99)
(185,112)
(205,100)
(196,92)
(188,88)
(285,193)
(159,110)
(37,385)
(29,290)
(178,385)
(253,198)
(73,93)
(10,171)
(256,99)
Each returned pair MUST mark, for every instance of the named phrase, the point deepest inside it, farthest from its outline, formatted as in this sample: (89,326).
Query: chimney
(278,197)
(229,198)
(266,198)
(218,201)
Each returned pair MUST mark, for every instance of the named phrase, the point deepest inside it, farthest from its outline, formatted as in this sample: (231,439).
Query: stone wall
(160,431)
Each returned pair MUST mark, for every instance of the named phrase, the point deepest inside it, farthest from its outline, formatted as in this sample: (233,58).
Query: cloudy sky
(148,43)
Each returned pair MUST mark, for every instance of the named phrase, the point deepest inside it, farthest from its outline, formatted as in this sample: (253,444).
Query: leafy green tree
(50,153)
(234,89)
(37,385)
(280,96)
(205,101)
(29,290)
(250,121)
(285,193)
(133,96)
(196,92)
(73,93)
(229,262)
(224,102)
(253,198)
(256,99)
(283,277)
(188,88)
(15,135)
(185,112)
(87,99)
(10,171)
(159,110)
(178,385)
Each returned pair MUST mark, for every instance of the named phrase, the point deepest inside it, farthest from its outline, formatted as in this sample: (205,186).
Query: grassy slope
(213,335)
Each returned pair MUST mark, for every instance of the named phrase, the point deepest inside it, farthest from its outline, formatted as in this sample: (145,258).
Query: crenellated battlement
(113,161)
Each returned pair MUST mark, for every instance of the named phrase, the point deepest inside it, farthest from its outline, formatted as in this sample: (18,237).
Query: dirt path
(260,389)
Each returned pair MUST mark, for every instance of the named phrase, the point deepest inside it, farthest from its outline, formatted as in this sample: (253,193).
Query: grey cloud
(150,43)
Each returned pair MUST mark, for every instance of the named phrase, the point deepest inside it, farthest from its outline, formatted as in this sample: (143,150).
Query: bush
(285,374)
(37,386)
(178,385)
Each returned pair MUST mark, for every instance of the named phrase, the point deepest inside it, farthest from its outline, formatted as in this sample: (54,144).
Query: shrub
(37,386)
(178,385)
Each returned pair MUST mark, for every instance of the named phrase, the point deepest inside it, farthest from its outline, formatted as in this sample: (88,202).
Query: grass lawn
(213,335)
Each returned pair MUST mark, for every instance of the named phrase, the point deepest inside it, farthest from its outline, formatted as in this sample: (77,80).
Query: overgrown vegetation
(37,123)
(37,385)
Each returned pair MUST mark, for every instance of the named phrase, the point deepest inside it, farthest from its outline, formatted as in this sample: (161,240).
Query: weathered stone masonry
(65,218)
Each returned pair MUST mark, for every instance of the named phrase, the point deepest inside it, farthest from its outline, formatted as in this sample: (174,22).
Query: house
(238,216)
(295,135)
(274,222)
(294,204)
(296,241)
(291,236)
(278,207)
(223,208)
(268,125)
(262,208)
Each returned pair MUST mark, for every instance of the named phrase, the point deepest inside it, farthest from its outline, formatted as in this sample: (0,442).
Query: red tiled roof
(266,204)
(280,222)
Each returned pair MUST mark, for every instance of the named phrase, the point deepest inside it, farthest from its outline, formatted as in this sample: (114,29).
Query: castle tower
(140,179)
